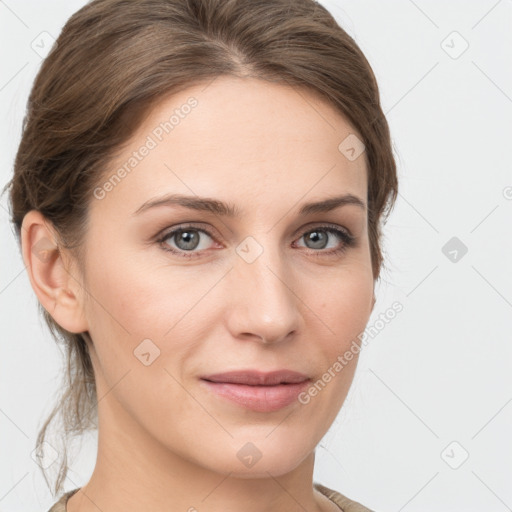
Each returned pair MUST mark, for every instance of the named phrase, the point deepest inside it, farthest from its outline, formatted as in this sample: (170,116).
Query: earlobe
(50,273)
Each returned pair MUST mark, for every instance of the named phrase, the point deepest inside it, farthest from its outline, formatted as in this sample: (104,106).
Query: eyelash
(347,239)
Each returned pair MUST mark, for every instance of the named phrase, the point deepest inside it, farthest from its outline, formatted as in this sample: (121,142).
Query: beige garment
(345,504)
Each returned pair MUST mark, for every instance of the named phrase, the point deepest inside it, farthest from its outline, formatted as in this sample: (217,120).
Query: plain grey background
(427,423)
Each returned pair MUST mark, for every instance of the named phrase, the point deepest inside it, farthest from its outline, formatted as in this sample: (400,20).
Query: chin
(259,459)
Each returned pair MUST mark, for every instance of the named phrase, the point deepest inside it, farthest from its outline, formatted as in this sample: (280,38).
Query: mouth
(258,378)
(257,391)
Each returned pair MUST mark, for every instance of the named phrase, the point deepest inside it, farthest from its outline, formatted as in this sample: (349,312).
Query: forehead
(241,138)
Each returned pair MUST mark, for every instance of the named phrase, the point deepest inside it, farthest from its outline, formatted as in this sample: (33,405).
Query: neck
(134,472)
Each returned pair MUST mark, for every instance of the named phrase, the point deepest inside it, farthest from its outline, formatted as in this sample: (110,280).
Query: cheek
(345,303)
(132,297)
(341,314)
(138,310)
(129,317)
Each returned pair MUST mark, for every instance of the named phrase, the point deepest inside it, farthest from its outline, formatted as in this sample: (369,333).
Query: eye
(191,242)
(319,237)
(186,240)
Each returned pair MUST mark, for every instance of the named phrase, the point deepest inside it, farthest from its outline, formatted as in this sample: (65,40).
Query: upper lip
(258,378)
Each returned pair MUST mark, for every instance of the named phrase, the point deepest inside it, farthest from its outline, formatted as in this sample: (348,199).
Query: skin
(165,442)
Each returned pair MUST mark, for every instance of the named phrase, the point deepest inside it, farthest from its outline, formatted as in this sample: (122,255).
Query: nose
(264,305)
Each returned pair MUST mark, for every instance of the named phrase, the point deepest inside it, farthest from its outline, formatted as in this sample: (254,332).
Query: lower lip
(258,398)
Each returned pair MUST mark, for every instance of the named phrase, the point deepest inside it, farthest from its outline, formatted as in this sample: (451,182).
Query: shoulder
(60,506)
(345,504)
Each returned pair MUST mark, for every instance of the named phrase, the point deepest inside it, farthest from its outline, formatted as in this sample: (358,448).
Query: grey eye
(186,240)
(318,239)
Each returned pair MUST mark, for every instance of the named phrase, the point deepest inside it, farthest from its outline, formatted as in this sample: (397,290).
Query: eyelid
(171,231)
(319,224)
(199,226)
(213,233)
(347,239)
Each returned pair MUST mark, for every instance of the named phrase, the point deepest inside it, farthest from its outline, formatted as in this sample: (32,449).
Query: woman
(198,195)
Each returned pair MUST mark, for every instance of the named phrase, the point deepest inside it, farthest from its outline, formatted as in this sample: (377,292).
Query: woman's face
(267,288)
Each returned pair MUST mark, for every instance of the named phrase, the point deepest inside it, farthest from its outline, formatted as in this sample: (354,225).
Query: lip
(258,391)
(258,378)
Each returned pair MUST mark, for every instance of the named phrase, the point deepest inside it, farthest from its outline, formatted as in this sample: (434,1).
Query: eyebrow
(207,204)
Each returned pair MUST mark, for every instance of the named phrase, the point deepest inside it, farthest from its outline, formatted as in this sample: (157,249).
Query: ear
(52,274)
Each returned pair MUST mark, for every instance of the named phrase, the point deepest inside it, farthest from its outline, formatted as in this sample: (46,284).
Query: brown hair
(113,60)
